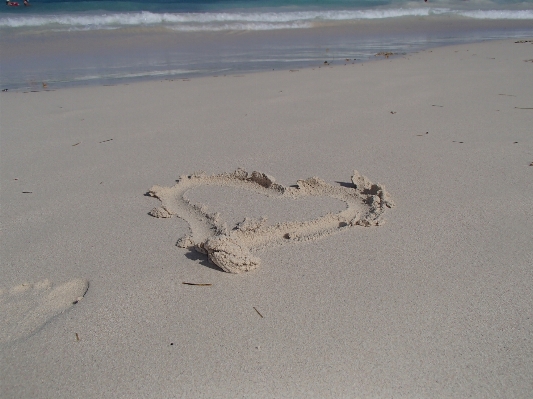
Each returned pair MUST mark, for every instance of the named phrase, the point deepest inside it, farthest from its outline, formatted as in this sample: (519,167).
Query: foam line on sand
(231,250)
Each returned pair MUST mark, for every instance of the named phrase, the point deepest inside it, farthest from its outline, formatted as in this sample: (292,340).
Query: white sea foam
(206,20)
(498,14)
(126,75)
(240,26)
(240,20)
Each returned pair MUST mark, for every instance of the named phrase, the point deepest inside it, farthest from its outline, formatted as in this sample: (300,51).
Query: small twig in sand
(522,108)
(27,192)
(199,284)
(105,141)
(77,338)
(258,312)
(74,145)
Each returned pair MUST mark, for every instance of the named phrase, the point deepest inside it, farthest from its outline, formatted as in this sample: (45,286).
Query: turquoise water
(242,15)
(181,6)
(86,42)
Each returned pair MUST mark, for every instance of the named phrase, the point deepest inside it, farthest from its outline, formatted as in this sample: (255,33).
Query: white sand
(29,306)
(436,303)
(230,248)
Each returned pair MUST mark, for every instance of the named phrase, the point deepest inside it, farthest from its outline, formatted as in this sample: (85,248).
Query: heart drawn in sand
(231,250)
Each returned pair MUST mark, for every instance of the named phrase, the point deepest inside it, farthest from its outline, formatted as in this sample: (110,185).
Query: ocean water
(64,43)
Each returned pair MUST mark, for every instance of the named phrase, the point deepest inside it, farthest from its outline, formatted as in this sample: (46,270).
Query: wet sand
(131,54)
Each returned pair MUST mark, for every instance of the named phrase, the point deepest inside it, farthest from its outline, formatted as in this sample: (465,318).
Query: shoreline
(142,54)
(99,302)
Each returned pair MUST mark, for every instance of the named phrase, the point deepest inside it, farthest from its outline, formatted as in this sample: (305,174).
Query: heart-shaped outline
(232,250)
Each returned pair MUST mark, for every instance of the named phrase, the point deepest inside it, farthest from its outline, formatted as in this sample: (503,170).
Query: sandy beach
(348,289)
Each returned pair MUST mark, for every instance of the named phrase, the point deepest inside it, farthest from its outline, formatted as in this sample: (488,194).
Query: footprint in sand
(231,250)
(25,308)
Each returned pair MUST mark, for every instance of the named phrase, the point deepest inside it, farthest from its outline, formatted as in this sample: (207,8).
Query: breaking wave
(239,20)
(204,21)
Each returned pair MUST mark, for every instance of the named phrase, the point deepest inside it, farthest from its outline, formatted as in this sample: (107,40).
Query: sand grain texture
(27,307)
(436,303)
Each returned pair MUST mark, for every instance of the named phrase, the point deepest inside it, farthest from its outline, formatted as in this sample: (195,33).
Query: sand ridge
(231,250)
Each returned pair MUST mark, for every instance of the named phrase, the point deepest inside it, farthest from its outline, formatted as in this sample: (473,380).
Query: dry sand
(436,303)
(230,249)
